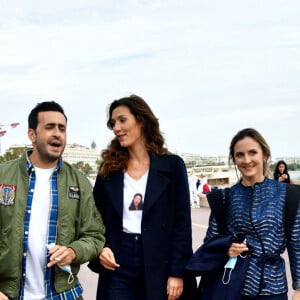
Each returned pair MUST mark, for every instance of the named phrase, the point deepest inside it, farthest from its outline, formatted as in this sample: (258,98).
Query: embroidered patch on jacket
(7,194)
(74,192)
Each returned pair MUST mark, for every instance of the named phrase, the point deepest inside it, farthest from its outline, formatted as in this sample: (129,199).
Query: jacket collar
(30,165)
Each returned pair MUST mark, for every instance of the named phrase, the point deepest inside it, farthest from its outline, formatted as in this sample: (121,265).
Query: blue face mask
(66,268)
(228,269)
(231,263)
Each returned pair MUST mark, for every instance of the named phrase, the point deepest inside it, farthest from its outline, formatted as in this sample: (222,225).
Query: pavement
(200,217)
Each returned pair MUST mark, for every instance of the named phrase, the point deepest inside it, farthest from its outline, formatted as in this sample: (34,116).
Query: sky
(207,68)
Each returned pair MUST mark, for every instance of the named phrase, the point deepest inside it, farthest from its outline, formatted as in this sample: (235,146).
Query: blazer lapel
(158,180)
(115,190)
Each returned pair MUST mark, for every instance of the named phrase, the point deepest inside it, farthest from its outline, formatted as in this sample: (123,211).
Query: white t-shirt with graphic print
(134,192)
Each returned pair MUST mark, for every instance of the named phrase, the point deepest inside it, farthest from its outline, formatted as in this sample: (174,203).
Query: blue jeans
(127,281)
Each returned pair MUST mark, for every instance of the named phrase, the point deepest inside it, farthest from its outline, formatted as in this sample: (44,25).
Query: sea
(294,174)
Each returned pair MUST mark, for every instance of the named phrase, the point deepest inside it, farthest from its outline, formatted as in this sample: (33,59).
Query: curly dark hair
(115,157)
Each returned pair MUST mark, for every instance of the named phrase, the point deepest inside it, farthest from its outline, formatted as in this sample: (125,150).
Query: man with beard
(49,224)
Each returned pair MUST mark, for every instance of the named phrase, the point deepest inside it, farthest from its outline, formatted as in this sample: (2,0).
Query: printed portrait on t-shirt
(137,202)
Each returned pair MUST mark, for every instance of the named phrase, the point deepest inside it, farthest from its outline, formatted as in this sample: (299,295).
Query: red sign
(2,133)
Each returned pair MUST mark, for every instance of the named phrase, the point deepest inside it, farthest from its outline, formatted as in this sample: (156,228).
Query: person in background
(257,207)
(45,201)
(281,172)
(203,189)
(146,250)
(192,180)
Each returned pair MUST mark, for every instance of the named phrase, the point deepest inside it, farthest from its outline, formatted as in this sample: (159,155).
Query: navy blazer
(166,221)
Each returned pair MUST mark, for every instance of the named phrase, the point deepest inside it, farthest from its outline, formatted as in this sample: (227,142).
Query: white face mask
(66,268)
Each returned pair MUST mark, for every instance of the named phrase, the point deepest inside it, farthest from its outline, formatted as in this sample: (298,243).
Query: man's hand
(61,256)
(3,297)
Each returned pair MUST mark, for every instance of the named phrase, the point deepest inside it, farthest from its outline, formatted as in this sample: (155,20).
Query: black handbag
(226,284)
(209,260)
(218,282)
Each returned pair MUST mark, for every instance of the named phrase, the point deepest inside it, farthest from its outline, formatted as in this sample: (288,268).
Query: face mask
(66,268)
(228,269)
(231,263)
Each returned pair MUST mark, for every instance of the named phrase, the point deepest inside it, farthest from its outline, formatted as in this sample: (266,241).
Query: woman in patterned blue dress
(256,207)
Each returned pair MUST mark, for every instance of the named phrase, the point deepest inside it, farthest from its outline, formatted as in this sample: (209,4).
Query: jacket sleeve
(90,230)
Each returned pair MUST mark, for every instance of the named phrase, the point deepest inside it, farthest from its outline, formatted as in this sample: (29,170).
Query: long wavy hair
(254,134)
(115,157)
(276,170)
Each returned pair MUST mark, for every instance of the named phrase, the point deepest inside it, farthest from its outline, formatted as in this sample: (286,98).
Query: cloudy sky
(206,67)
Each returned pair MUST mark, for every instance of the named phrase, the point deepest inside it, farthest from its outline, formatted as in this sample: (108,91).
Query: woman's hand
(174,287)
(283,177)
(107,259)
(296,295)
(236,249)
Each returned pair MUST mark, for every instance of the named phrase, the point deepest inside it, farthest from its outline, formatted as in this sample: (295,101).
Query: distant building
(289,159)
(93,145)
(75,153)
(192,160)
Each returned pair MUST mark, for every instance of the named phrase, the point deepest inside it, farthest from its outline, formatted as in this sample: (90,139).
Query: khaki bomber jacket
(80,225)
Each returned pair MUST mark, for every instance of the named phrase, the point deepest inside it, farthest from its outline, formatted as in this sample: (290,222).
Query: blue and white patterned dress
(258,211)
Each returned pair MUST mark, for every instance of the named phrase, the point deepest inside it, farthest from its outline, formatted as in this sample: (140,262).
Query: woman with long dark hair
(281,172)
(146,249)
